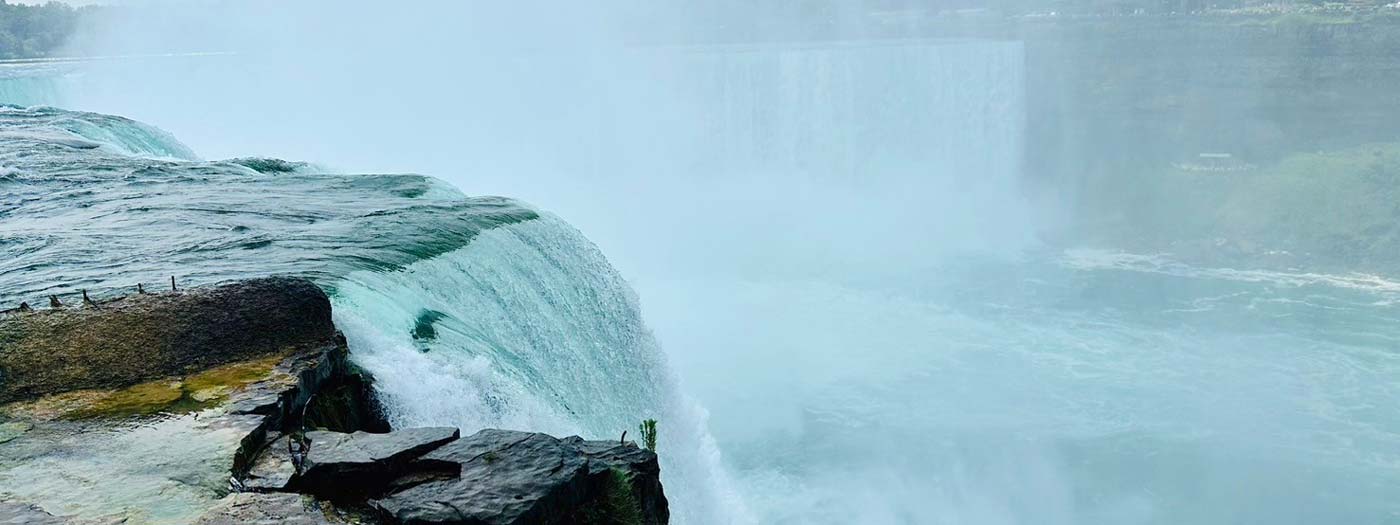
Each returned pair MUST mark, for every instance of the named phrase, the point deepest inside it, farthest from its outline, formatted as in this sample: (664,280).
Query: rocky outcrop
(263,419)
(430,476)
(511,477)
(159,446)
(135,339)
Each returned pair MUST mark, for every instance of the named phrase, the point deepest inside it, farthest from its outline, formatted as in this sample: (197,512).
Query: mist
(907,280)
(564,107)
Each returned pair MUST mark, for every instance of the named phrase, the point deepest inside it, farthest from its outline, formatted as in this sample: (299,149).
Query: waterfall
(528,327)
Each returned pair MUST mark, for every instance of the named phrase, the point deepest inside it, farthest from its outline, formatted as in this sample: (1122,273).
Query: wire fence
(81,298)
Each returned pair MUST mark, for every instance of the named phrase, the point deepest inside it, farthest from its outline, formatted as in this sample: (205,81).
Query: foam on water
(1099,259)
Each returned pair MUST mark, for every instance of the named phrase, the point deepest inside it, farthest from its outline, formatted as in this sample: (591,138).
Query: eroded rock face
(143,337)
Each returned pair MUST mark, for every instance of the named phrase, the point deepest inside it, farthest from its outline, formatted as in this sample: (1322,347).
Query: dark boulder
(509,477)
(121,343)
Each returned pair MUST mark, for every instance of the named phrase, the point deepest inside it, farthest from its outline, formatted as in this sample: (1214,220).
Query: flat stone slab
(340,466)
(336,450)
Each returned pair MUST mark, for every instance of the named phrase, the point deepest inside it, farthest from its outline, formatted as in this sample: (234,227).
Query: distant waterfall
(843,111)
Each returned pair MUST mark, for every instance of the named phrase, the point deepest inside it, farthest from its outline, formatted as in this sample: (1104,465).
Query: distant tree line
(36,31)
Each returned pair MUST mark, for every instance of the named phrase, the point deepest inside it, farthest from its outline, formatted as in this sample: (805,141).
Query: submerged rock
(21,514)
(267,509)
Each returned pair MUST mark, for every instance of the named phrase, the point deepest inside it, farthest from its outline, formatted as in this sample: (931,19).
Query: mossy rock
(145,338)
(164,396)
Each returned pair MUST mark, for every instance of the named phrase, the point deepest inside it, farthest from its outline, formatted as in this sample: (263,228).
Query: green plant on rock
(616,504)
(648,428)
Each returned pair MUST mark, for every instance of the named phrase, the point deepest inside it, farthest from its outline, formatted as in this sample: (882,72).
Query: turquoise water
(824,344)
(1081,387)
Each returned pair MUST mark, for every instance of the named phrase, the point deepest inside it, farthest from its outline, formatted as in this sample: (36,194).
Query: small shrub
(648,428)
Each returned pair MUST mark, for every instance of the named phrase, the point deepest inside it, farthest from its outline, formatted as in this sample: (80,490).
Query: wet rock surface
(267,509)
(163,451)
(22,514)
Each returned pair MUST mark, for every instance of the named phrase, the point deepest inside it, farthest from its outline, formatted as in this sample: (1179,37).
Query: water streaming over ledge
(527,325)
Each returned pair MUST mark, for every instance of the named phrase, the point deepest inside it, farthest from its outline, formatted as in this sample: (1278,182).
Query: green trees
(36,31)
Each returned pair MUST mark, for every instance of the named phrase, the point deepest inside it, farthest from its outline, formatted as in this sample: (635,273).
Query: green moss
(617,505)
(214,385)
(173,396)
(139,400)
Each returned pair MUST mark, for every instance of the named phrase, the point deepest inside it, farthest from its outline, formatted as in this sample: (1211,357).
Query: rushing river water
(1040,386)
